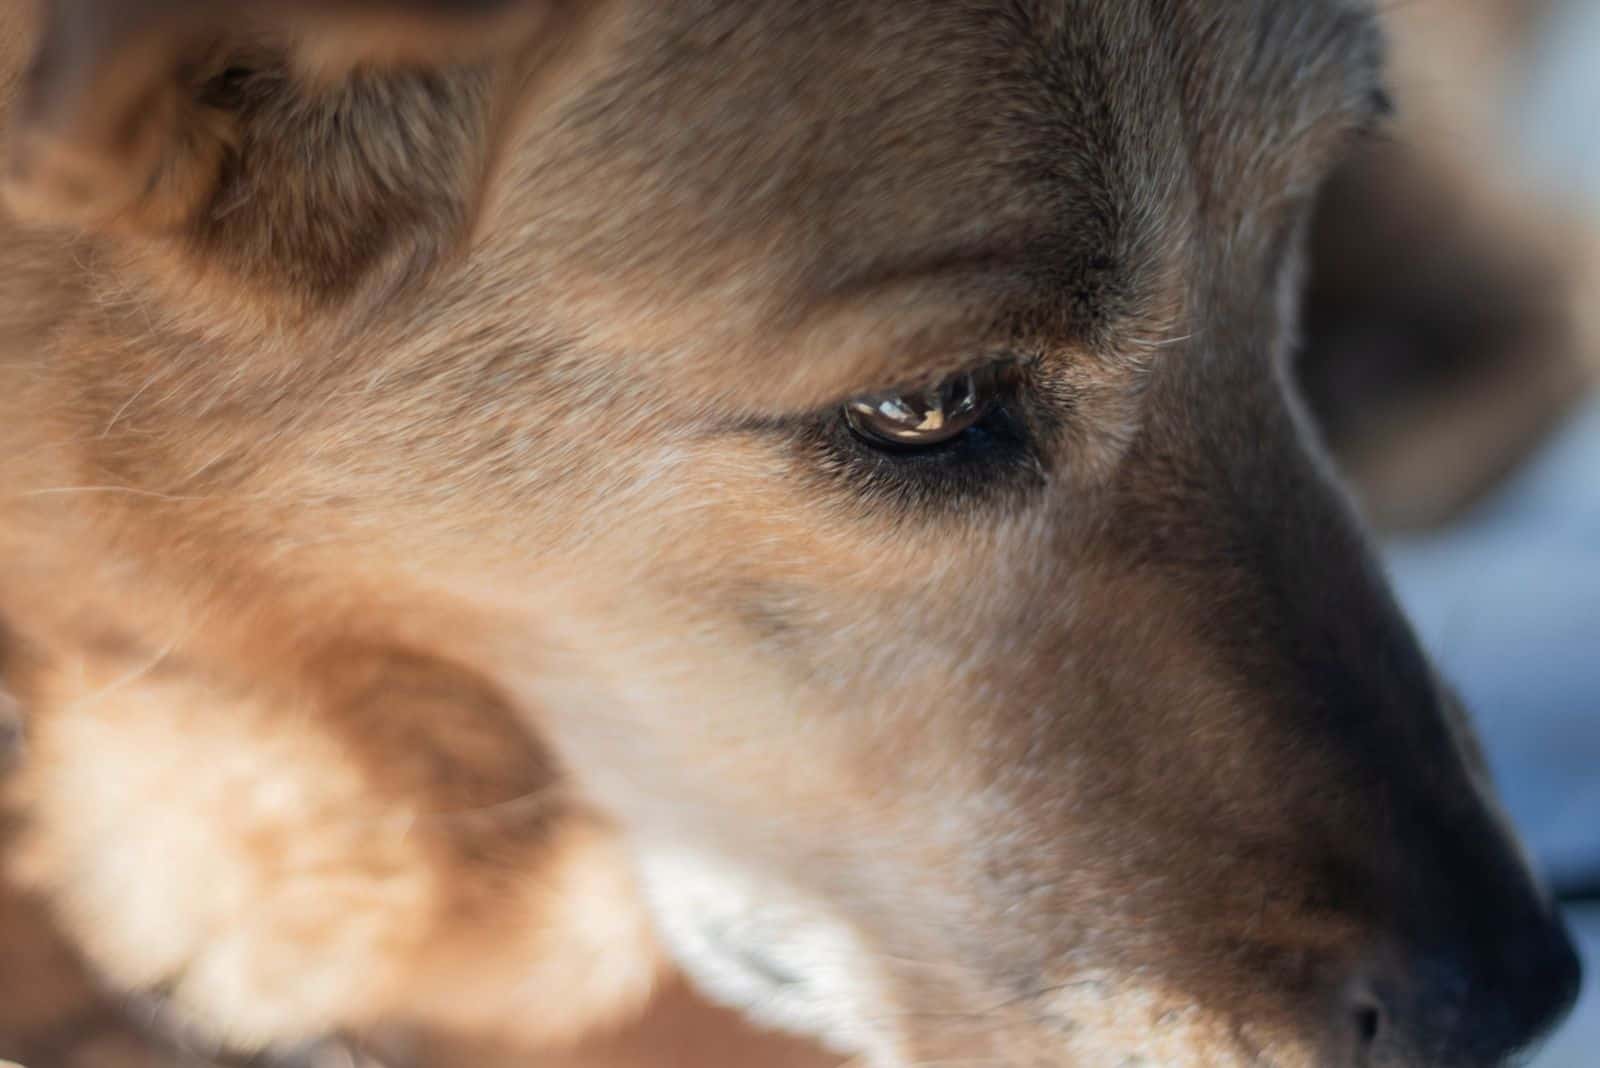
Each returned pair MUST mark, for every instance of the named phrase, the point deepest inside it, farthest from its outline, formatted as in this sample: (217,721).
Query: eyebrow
(956,335)
(1021,290)
(987,260)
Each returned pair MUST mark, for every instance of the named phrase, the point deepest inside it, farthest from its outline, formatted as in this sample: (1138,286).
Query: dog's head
(857,436)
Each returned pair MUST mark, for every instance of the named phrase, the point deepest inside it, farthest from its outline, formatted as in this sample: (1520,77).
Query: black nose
(1461,1009)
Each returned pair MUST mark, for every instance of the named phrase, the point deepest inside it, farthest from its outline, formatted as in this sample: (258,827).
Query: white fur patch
(756,947)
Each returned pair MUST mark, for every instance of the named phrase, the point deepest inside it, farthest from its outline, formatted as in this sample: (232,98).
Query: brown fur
(428,531)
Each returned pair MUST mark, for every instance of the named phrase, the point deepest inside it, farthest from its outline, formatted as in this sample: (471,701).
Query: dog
(504,494)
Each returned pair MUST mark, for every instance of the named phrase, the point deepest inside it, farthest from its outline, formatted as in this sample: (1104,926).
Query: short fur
(433,567)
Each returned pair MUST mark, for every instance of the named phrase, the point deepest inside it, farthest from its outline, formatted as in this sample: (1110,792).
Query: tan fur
(432,568)
(277,887)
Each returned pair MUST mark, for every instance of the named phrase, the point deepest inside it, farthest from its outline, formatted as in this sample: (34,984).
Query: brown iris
(926,417)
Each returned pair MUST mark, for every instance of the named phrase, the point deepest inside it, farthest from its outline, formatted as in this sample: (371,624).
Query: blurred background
(1452,354)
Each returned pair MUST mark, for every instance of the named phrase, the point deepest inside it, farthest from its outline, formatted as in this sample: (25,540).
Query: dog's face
(856,435)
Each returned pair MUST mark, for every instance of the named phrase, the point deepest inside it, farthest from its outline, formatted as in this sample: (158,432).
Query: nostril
(1477,1007)
(1369,1025)
(1366,1020)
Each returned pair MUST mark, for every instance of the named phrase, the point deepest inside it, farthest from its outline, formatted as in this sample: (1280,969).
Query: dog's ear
(124,120)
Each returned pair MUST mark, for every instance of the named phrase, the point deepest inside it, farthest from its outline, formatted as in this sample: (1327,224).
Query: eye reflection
(923,418)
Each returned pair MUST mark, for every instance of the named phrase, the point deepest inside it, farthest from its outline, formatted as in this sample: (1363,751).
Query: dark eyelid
(1011,364)
(1002,360)
(1009,360)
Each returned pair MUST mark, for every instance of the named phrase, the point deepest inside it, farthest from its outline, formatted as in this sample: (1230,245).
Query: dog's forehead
(950,161)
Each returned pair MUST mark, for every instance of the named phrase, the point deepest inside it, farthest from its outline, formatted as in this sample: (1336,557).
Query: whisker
(126,680)
(130,490)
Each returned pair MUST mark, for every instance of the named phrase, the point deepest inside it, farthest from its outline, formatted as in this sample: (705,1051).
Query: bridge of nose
(1482,967)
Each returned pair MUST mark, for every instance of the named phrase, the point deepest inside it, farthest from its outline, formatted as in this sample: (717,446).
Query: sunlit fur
(427,568)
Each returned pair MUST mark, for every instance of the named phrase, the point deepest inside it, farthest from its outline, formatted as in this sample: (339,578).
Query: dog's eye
(922,418)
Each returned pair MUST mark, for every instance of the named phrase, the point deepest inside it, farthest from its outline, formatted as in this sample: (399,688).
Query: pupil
(922,417)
